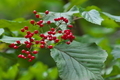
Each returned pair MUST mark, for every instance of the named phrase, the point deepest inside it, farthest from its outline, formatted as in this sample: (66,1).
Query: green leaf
(14,24)
(92,16)
(52,15)
(79,61)
(8,39)
(116,51)
(1,31)
(116,18)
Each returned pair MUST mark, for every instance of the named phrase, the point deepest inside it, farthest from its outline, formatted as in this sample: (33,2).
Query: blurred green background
(43,68)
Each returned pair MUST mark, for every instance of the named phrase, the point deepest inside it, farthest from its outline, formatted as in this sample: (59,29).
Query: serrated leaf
(79,61)
(92,16)
(8,39)
(116,51)
(116,18)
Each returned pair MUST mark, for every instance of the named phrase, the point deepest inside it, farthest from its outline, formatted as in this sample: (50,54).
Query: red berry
(32,34)
(24,57)
(38,23)
(22,30)
(31,40)
(50,38)
(37,15)
(46,12)
(32,57)
(59,31)
(65,20)
(68,42)
(26,36)
(23,51)
(26,27)
(35,52)
(42,46)
(41,35)
(41,25)
(70,26)
(67,30)
(56,19)
(56,40)
(37,42)
(29,36)
(45,37)
(49,32)
(72,37)
(61,18)
(26,42)
(48,22)
(41,21)
(64,37)
(29,55)
(30,60)
(52,29)
(54,37)
(15,47)
(53,33)
(28,46)
(50,46)
(20,56)
(27,52)
(36,31)
(34,11)
(18,42)
(42,42)
(32,21)
(28,32)
(12,45)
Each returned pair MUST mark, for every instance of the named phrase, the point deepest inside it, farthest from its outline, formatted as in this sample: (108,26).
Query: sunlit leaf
(92,16)
(8,39)
(116,18)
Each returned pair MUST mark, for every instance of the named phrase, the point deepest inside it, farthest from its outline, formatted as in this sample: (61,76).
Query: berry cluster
(47,40)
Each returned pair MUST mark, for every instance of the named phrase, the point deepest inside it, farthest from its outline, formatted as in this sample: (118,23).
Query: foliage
(93,55)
